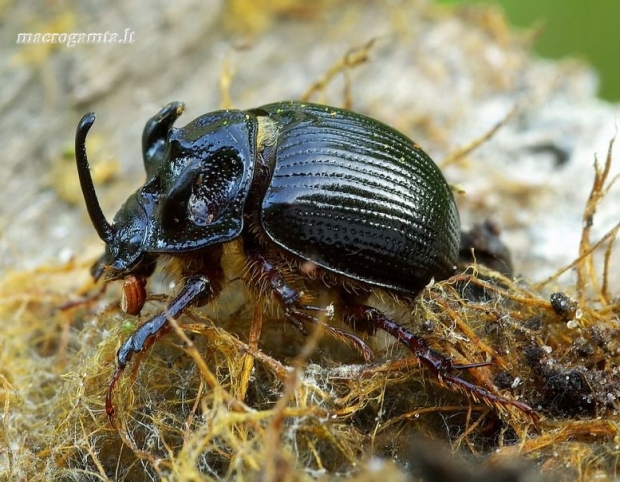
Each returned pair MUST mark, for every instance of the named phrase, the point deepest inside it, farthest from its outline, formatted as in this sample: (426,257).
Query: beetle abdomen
(358,198)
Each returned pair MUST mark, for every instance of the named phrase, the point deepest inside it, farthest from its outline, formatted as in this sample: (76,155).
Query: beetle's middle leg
(367,319)
(295,310)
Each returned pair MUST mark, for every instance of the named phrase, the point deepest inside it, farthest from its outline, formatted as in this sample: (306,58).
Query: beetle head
(198,179)
(124,252)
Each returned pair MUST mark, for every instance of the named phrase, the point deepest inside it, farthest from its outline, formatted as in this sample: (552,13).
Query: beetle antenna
(103,228)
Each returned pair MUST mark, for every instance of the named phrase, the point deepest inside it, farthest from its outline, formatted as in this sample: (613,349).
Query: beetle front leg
(368,319)
(295,311)
(196,291)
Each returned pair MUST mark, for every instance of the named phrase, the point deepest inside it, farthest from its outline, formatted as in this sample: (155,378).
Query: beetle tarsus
(490,399)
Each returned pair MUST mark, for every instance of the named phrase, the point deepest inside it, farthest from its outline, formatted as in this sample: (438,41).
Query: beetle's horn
(104,229)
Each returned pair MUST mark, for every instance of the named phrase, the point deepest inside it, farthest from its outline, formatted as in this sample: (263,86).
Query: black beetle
(297,185)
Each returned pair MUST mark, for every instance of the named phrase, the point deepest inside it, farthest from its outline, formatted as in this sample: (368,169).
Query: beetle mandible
(295,184)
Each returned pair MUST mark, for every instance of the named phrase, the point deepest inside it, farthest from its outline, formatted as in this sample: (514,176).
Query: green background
(589,30)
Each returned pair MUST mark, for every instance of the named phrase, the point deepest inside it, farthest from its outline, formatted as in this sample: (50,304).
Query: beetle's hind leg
(295,311)
(369,320)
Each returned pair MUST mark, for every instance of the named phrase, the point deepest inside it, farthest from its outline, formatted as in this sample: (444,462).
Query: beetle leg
(296,312)
(197,290)
(368,319)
